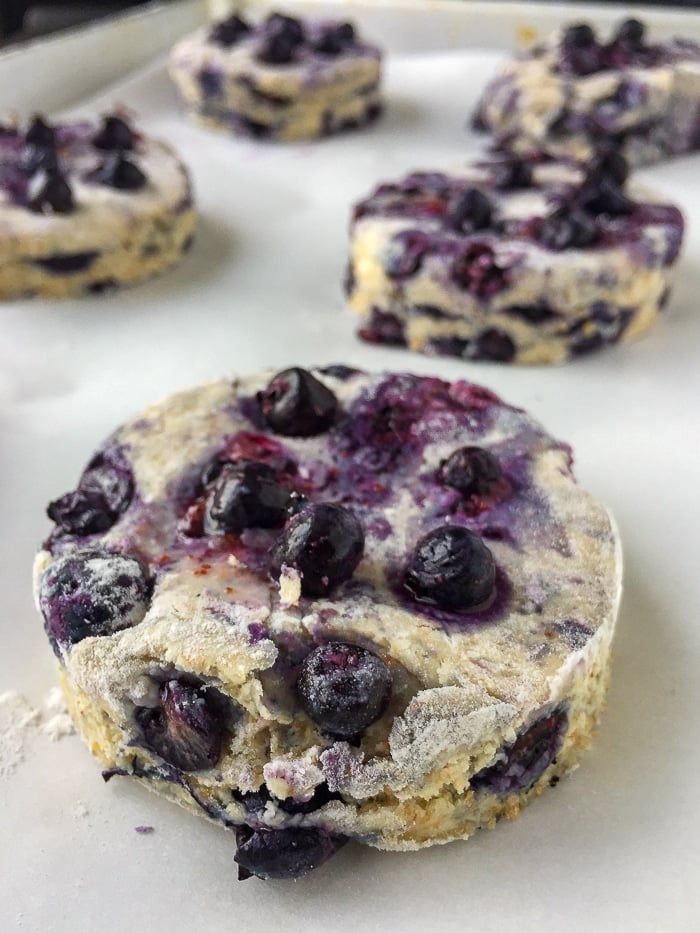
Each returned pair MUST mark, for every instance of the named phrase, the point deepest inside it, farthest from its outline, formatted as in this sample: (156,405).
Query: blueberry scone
(512,260)
(321,606)
(283,78)
(573,92)
(86,207)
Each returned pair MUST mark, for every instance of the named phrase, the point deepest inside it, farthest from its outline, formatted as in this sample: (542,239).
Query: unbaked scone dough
(283,78)
(88,206)
(330,605)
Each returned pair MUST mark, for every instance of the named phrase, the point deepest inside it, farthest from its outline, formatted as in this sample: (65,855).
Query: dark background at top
(20,19)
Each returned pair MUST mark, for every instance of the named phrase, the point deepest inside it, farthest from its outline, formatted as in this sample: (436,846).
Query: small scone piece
(512,261)
(321,606)
(284,78)
(87,207)
(570,94)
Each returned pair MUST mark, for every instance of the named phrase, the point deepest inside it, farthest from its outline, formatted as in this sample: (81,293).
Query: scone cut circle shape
(574,92)
(512,260)
(87,206)
(325,605)
(282,78)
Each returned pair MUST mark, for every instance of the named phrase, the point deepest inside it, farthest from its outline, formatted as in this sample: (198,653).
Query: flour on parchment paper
(19,719)
(56,721)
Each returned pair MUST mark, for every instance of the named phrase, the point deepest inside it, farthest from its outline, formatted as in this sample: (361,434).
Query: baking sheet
(613,847)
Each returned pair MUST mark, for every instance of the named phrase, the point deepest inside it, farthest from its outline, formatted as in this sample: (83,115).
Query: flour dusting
(17,719)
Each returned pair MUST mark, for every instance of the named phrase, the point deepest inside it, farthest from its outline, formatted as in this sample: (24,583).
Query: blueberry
(470,470)
(324,543)
(476,270)
(493,345)
(512,173)
(40,133)
(296,404)
(631,32)
(579,36)
(283,853)
(405,254)
(581,54)
(605,196)
(384,327)
(229,31)
(211,81)
(92,592)
(608,163)
(50,193)
(187,729)
(283,35)
(34,158)
(471,211)
(335,39)
(567,227)
(451,568)
(343,688)
(245,495)
(103,494)
(115,133)
(525,760)
(116,171)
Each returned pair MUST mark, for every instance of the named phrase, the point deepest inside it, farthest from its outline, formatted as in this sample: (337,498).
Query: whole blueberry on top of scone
(321,605)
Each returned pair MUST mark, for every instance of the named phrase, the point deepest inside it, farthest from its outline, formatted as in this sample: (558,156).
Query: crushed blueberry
(296,404)
(116,171)
(115,133)
(186,729)
(451,568)
(324,543)
(475,269)
(91,593)
(104,492)
(245,495)
(470,470)
(472,210)
(343,688)
(527,758)
(228,32)
(283,853)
